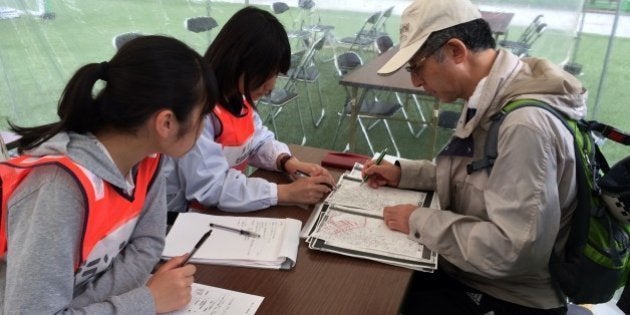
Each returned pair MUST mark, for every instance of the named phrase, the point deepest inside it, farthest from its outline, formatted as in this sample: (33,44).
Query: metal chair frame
(307,73)
(281,96)
(370,109)
(523,45)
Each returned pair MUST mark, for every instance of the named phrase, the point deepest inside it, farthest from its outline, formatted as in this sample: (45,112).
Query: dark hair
(475,34)
(146,75)
(252,43)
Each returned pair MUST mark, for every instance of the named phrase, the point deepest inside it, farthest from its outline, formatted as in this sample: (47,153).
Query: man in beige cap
(498,229)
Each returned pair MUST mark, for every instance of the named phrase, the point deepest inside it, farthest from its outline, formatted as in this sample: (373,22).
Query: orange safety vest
(235,135)
(110,215)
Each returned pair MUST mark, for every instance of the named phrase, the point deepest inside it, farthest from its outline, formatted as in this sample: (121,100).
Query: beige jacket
(497,232)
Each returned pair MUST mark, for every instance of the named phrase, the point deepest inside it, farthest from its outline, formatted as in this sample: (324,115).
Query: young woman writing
(84,209)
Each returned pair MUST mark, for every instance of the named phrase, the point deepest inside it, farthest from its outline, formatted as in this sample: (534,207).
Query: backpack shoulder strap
(490,148)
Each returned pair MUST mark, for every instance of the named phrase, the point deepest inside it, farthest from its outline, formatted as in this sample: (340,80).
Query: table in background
(366,78)
(499,22)
(320,282)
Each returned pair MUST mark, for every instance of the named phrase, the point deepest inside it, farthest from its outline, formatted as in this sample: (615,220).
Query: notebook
(276,248)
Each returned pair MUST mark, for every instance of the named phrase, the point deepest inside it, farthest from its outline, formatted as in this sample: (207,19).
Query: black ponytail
(148,74)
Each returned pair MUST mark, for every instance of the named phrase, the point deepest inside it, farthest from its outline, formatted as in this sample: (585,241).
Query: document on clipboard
(350,222)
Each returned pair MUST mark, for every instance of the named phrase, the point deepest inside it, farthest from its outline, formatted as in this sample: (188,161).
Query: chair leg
(365,134)
(391,137)
(322,111)
(342,116)
(301,120)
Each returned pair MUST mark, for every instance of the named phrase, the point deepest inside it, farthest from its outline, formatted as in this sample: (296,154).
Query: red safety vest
(111,216)
(235,135)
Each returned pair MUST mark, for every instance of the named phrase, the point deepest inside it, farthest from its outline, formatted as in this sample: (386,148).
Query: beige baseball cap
(420,19)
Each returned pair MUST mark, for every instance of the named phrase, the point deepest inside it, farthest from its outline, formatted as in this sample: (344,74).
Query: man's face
(437,74)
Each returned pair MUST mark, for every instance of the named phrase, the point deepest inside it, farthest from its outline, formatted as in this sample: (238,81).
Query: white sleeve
(204,175)
(266,147)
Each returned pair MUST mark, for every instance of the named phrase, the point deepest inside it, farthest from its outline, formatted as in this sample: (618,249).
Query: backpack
(596,260)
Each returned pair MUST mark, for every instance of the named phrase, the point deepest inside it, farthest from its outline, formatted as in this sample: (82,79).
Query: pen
(199,243)
(300,173)
(239,231)
(378,161)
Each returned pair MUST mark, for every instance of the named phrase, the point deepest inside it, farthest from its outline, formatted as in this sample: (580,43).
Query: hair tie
(102,70)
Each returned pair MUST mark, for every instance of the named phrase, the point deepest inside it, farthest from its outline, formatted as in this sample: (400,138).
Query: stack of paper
(276,248)
(350,222)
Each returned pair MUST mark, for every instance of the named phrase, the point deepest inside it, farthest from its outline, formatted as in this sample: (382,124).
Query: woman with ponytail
(84,207)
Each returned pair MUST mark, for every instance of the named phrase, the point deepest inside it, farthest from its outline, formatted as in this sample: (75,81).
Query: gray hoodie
(500,229)
(45,224)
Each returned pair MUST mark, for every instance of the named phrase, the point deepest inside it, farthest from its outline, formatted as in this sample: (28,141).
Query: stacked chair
(522,46)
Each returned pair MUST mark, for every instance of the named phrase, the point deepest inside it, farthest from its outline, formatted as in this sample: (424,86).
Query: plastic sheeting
(43,42)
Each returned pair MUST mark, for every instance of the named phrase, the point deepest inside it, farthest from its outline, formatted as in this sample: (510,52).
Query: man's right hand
(382,174)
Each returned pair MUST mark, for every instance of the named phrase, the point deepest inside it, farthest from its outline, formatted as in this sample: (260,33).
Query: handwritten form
(350,222)
(363,198)
(276,248)
(212,300)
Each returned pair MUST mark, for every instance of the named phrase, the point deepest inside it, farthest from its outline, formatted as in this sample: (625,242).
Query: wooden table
(320,283)
(499,22)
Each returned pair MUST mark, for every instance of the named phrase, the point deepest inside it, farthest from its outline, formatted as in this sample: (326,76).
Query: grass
(38,56)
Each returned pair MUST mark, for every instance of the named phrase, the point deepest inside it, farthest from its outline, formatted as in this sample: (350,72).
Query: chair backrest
(383,43)
(279,7)
(380,25)
(120,39)
(347,62)
(531,30)
(200,24)
(306,4)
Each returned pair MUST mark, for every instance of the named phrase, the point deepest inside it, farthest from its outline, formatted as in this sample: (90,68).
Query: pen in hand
(235,230)
(199,243)
(377,162)
(302,174)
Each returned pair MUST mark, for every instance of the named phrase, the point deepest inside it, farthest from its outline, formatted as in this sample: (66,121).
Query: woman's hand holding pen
(381,174)
(170,285)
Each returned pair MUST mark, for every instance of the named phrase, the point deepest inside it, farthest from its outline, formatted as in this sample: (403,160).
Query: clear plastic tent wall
(43,42)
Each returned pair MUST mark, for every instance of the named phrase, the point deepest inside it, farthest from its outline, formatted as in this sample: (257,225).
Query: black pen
(194,250)
(302,174)
(235,230)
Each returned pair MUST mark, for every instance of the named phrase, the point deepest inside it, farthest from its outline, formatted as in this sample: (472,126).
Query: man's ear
(165,123)
(456,50)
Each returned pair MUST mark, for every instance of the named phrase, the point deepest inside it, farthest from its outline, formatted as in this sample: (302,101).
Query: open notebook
(350,222)
(276,248)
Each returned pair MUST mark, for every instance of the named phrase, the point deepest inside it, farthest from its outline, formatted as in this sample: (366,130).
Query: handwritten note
(212,300)
(350,193)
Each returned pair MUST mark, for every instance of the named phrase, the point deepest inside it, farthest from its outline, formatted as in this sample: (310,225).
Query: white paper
(278,242)
(352,195)
(212,300)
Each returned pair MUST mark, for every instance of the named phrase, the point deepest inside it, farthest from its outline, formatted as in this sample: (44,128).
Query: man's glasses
(416,68)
